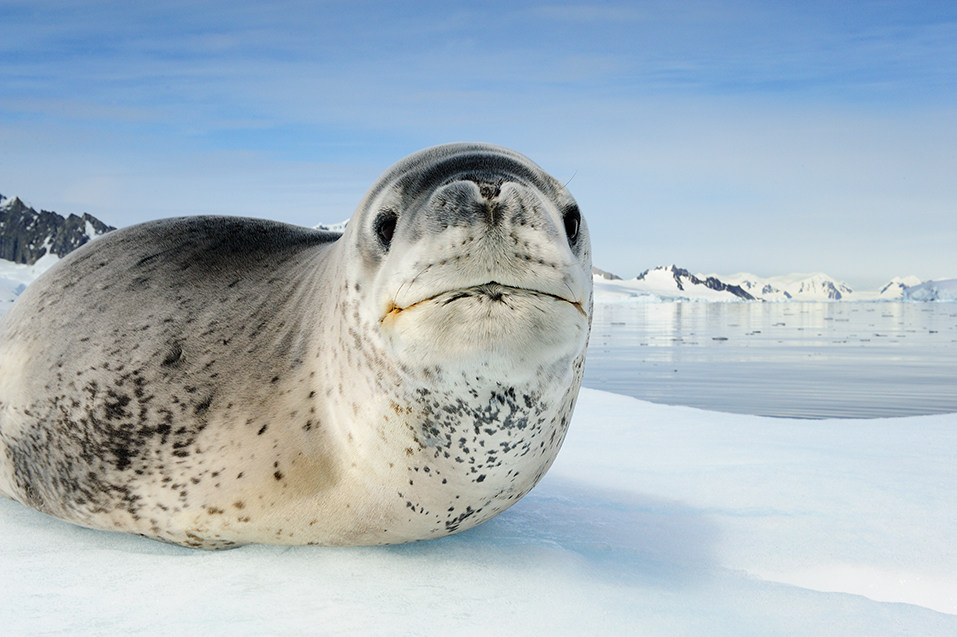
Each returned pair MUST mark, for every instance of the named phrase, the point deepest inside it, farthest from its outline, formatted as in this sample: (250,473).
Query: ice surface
(654,520)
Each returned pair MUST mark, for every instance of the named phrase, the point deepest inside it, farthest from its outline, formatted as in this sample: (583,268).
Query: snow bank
(655,520)
(9,291)
(622,292)
(14,277)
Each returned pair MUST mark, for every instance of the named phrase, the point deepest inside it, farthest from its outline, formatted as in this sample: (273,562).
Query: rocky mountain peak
(685,280)
(26,235)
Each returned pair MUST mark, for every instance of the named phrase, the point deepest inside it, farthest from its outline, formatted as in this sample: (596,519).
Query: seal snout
(485,239)
(467,202)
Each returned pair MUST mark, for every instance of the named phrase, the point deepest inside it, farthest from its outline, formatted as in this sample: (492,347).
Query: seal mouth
(490,291)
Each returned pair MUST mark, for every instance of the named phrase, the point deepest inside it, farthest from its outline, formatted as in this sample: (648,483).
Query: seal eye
(385,226)
(573,221)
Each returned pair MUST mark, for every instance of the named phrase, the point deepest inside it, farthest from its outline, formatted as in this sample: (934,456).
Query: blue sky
(772,137)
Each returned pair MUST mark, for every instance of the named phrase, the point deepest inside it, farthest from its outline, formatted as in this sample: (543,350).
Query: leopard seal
(217,381)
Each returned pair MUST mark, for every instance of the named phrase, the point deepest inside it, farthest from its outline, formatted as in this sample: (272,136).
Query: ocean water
(803,360)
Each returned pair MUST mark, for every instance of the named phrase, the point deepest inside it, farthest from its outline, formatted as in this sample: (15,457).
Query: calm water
(806,360)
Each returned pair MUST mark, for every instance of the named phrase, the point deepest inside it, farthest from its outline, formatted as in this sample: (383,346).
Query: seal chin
(487,325)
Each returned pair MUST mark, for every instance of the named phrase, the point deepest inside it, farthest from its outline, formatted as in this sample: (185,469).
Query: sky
(767,137)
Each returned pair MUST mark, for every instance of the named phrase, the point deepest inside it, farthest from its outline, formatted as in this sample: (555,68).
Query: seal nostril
(573,221)
(385,226)
(489,191)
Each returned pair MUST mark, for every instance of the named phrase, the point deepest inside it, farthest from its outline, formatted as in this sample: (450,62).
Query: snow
(6,202)
(9,291)
(14,277)
(945,290)
(333,227)
(90,231)
(654,520)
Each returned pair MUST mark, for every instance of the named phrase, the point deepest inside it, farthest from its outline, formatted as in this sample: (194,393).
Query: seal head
(477,258)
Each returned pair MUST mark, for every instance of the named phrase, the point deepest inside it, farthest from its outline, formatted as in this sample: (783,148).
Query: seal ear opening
(385,227)
(572,218)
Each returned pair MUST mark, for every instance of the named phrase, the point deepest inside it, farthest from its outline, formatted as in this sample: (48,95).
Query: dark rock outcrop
(27,235)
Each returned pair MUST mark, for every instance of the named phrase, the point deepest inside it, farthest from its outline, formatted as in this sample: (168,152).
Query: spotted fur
(222,381)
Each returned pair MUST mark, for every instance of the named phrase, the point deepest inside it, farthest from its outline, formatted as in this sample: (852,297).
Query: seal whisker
(411,282)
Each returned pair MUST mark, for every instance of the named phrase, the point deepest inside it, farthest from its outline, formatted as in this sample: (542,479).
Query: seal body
(216,381)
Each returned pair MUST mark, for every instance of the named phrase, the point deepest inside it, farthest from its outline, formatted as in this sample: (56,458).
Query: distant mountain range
(668,283)
(31,241)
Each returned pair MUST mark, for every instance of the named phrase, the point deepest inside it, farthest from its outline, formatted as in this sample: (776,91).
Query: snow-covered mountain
(673,284)
(945,290)
(669,283)
(31,242)
(896,288)
(796,287)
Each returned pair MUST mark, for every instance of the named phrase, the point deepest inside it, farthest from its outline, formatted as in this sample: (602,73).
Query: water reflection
(810,360)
